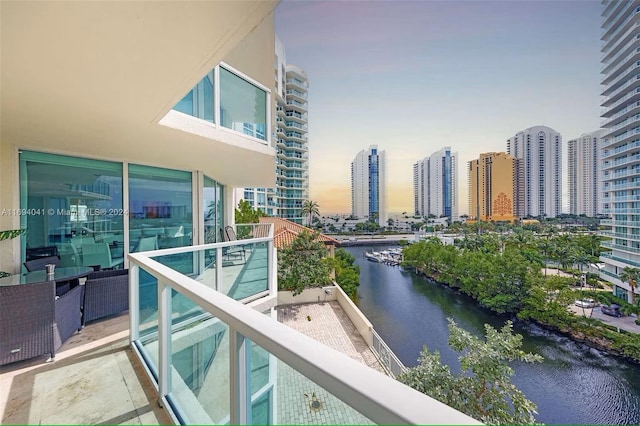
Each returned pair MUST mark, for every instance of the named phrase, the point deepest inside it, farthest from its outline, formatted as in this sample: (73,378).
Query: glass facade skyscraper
(368,185)
(620,161)
(291,143)
(435,180)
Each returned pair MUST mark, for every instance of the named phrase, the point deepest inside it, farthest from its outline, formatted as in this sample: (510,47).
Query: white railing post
(218,269)
(164,339)
(271,268)
(239,375)
(134,302)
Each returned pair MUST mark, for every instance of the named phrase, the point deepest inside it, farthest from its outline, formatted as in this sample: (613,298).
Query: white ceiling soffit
(96,77)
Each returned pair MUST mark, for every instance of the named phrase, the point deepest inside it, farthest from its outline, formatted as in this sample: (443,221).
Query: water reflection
(575,384)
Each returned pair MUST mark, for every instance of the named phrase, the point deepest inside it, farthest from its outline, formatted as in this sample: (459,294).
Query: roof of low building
(285,231)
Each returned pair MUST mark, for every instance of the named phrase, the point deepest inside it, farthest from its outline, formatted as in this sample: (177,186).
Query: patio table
(61,275)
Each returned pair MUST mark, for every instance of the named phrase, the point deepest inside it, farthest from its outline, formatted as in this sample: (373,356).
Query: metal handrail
(379,397)
(386,356)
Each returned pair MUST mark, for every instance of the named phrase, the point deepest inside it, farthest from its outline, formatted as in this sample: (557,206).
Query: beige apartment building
(494,183)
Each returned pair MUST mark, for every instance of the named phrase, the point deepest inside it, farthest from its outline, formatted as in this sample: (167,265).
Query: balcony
(624,236)
(212,352)
(620,247)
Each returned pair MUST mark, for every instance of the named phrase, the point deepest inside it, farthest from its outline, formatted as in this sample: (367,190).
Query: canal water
(574,384)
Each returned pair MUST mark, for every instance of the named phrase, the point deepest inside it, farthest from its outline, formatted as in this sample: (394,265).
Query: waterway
(575,384)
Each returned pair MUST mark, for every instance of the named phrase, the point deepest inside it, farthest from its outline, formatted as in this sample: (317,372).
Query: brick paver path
(331,326)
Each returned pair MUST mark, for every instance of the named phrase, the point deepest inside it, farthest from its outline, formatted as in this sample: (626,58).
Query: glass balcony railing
(610,255)
(215,360)
(621,247)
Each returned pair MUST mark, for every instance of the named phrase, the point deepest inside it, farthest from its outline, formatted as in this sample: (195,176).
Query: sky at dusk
(415,76)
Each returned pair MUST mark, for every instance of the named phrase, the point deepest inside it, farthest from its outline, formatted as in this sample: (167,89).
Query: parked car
(613,310)
(585,303)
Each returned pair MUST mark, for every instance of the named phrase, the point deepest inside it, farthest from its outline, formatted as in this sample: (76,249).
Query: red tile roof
(285,231)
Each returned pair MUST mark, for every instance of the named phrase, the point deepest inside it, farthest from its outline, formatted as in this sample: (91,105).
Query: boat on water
(388,257)
(373,256)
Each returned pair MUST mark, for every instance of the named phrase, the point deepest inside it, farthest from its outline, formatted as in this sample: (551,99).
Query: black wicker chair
(106,293)
(34,322)
(39,263)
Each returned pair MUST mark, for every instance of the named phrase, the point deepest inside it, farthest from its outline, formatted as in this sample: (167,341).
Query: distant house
(285,231)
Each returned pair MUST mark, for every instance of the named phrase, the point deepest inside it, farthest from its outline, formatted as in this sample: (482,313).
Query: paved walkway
(624,323)
(328,324)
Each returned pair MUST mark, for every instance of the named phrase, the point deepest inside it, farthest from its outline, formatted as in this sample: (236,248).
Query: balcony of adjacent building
(627,160)
(628,82)
(619,24)
(625,124)
(295,105)
(622,259)
(622,245)
(611,151)
(624,235)
(295,76)
(619,210)
(296,136)
(296,116)
(619,66)
(294,125)
(633,184)
(296,94)
(621,103)
(625,91)
(612,118)
(621,198)
(619,46)
(620,53)
(203,337)
(292,155)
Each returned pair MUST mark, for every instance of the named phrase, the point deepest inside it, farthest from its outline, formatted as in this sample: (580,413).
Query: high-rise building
(292,145)
(584,174)
(435,180)
(494,185)
(540,148)
(368,185)
(620,160)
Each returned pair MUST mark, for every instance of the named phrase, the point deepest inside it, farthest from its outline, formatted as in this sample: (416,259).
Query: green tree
(483,389)
(245,213)
(347,272)
(303,264)
(310,209)
(631,276)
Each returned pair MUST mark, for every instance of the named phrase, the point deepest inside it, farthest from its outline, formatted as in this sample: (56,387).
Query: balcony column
(134,302)
(164,339)
(240,375)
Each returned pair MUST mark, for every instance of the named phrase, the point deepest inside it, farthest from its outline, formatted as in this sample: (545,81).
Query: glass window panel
(243,106)
(199,101)
(161,212)
(212,209)
(186,104)
(76,206)
(220,216)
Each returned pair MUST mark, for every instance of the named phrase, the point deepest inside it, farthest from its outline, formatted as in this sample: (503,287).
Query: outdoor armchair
(228,234)
(106,293)
(34,322)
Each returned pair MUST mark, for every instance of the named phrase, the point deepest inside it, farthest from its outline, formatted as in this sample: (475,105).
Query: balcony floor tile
(94,379)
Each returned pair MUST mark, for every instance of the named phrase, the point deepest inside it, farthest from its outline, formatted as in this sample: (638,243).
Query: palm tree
(547,248)
(631,276)
(310,209)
